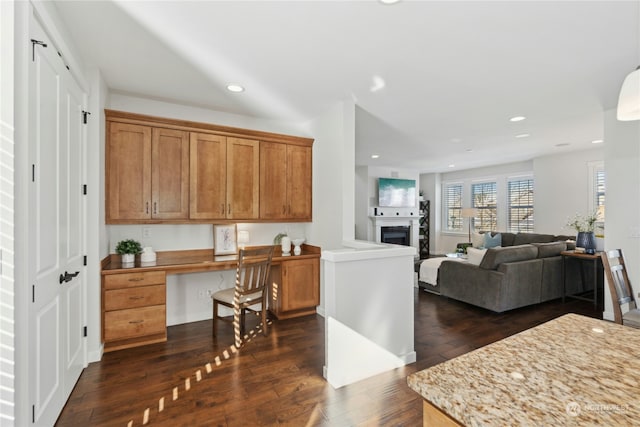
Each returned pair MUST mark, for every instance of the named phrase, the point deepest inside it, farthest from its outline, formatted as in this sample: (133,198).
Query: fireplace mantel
(395,221)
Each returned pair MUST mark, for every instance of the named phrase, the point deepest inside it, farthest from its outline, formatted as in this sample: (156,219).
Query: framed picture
(225,239)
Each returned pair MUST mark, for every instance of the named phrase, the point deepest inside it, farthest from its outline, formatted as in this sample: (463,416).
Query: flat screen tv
(396,193)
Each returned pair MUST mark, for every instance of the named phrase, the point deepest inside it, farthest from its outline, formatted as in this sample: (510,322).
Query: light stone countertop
(570,371)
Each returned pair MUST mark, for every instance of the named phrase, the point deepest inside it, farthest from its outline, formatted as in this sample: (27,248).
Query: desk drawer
(135,322)
(141,296)
(128,280)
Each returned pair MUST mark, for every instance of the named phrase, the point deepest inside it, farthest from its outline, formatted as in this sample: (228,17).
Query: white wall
(622,222)
(333,180)
(7,244)
(562,189)
(362,201)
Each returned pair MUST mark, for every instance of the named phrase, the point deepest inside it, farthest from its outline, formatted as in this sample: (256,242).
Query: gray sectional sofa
(525,270)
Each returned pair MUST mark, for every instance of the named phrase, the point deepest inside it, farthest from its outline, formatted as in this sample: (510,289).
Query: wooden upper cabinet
(128,168)
(299,182)
(170,174)
(285,181)
(273,180)
(176,171)
(208,176)
(243,178)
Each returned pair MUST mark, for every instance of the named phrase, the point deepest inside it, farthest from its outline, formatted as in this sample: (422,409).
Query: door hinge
(33,413)
(84,116)
(84,331)
(33,173)
(33,293)
(84,189)
(35,42)
(84,260)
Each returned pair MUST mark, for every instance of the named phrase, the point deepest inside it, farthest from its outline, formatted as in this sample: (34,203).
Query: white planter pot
(128,258)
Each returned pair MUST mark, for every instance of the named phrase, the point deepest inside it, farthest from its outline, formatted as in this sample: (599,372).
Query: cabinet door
(208,176)
(273,180)
(300,281)
(128,172)
(243,178)
(299,182)
(170,174)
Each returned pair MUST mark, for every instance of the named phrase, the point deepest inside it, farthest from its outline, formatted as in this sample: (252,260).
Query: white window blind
(520,199)
(452,195)
(483,198)
(600,187)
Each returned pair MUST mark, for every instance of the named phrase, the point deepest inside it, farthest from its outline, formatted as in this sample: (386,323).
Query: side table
(596,264)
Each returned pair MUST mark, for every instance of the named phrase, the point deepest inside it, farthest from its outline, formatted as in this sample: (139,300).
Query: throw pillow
(477,240)
(475,255)
(492,242)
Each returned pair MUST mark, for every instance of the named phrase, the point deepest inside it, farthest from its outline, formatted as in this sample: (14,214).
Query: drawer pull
(136,297)
(136,321)
(136,279)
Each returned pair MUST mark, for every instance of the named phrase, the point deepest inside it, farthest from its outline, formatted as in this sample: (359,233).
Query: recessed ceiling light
(597,141)
(375,156)
(468,150)
(378,83)
(452,165)
(389,1)
(235,88)
(517,119)
(562,144)
(456,140)
(523,135)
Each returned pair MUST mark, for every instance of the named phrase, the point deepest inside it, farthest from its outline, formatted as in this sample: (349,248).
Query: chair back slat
(619,285)
(253,270)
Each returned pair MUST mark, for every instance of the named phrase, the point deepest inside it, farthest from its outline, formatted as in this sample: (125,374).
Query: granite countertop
(571,371)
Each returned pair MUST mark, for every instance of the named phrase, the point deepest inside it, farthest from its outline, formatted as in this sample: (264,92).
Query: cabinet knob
(229,211)
(222,208)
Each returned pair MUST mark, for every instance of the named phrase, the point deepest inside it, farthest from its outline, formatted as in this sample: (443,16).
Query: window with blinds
(483,198)
(452,195)
(520,199)
(600,188)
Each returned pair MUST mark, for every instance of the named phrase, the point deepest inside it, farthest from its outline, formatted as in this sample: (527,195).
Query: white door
(56,230)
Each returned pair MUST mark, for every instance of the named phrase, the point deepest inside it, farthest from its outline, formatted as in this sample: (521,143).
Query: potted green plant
(128,249)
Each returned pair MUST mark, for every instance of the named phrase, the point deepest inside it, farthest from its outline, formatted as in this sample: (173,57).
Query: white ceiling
(455,72)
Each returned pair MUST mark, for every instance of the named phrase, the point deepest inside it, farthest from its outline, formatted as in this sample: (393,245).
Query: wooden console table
(134,298)
(596,265)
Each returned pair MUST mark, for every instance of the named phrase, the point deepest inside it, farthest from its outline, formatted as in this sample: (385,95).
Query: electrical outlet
(146,232)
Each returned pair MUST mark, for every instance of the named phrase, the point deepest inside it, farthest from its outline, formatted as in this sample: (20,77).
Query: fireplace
(398,235)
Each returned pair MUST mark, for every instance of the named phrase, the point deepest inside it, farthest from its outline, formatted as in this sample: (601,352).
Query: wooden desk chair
(620,288)
(249,293)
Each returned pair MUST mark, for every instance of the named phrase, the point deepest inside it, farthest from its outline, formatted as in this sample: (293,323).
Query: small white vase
(286,245)
(128,258)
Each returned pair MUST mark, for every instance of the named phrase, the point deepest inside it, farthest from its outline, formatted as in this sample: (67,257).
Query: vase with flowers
(585,225)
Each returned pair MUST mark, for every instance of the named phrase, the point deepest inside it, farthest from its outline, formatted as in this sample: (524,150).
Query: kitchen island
(570,371)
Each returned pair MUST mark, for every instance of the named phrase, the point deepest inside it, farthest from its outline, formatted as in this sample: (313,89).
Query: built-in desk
(134,298)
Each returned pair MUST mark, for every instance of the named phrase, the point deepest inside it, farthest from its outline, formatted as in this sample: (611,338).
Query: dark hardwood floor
(277,380)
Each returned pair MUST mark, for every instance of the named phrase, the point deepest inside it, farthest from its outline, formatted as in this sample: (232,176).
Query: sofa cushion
(546,250)
(475,255)
(492,241)
(496,256)
(477,239)
(507,238)
(525,238)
